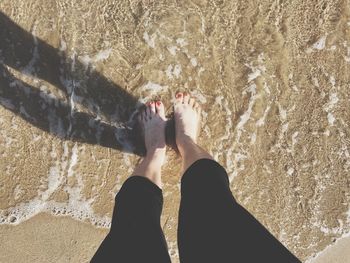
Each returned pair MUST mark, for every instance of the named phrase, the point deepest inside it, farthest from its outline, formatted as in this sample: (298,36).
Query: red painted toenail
(179,95)
(158,103)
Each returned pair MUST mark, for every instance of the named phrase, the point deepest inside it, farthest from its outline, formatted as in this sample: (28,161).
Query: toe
(160,109)
(198,109)
(191,102)
(179,97)
(145,114)
(186,98)
(196,106)
(148,110)
(153,107)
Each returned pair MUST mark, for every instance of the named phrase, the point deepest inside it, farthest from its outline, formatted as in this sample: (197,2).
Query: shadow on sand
(108,118)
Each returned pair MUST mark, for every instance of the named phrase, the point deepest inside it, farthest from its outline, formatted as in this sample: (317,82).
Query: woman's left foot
(152,120)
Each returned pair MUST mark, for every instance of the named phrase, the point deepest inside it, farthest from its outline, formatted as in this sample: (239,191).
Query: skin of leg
(149,167)
(191,152)
(187,123)
(153,120)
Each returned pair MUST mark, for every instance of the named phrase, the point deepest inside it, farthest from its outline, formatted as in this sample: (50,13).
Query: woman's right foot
(187,113)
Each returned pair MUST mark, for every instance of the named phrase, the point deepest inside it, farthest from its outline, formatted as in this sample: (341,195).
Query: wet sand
(273,80)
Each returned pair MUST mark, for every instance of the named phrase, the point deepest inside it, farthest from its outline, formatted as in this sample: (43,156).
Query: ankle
(154,160)
(184,139)
(184,142)
(151,166)
(155,152)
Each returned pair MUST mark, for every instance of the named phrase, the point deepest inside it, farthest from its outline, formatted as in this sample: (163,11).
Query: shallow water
(272,76)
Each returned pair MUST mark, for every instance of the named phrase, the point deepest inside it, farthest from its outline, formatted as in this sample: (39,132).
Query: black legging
(213,227)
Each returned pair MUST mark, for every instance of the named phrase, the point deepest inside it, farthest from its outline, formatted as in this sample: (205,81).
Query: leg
(212,226)
(136,234)
(187,114)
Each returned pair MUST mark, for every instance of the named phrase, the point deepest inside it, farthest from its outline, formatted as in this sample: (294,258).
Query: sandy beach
(273,81)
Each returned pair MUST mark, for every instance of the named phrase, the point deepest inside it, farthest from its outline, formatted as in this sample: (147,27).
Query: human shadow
(108,112)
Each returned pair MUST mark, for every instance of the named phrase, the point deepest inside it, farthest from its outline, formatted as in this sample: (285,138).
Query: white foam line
(54,181)
(246,115)
(76,207)
(24,211)
(333,100)
(73,160)
(256,71)
(56,173)
(223,104)
(240,129)
(261,121)
(294,139)
(202,25)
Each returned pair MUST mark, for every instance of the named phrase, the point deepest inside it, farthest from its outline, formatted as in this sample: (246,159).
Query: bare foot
(187,119)
(152,120)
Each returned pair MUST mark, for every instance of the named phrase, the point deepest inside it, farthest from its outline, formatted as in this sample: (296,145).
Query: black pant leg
(136,234)
(213,227)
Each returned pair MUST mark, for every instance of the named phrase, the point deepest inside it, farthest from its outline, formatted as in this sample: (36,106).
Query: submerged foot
(187,114)
(152,120)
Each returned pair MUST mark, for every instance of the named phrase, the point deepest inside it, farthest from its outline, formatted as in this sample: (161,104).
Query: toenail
(158,103)
(179,95)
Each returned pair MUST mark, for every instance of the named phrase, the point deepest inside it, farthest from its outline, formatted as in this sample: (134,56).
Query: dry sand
(338,252)
(45,238)
(273,77)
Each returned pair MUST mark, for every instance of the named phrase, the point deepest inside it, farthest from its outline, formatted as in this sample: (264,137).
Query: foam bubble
(194,62)
(153,88)
(182,42)
(172,50)
(150,40)
(318,45)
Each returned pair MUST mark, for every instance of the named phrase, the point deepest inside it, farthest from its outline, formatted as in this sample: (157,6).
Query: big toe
(179,98)
(160,109)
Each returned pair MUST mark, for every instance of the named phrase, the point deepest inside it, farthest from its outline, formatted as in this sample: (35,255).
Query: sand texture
(273,78)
